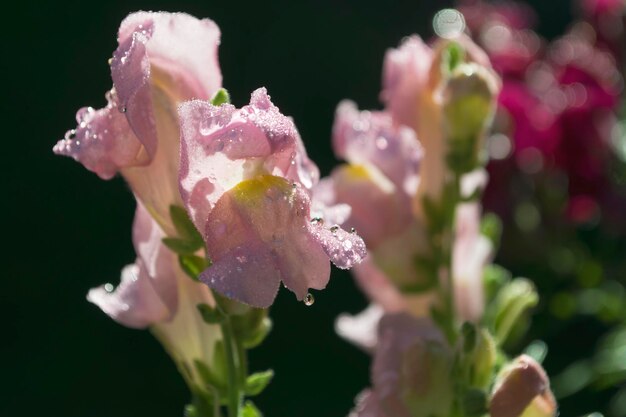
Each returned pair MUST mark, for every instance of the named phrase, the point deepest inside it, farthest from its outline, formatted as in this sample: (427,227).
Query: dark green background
(66,231)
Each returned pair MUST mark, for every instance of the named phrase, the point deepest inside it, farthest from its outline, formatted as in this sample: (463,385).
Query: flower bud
(522,390)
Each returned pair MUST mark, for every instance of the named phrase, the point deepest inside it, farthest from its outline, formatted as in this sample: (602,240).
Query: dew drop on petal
(108,287)
(309,300)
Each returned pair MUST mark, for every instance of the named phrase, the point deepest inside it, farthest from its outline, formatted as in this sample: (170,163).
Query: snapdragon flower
(162,59)
(247,183)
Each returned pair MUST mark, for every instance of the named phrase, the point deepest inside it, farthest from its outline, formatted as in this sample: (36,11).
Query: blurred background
(68,231)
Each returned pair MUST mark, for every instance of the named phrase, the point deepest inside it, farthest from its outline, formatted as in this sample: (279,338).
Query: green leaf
(184,226)
(512,302)
(256,337)
(250,410)
(221,97)
(475,403)
(211,315)
(468,330)
(209,377)
(257,382)
(491,227)
(193,265)
(181,246)
(453,56)
(537,349)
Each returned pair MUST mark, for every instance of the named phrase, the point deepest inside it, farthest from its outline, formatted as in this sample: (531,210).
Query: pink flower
(410,372)
(522,390)
(246,181)
(154,292)
(162,59)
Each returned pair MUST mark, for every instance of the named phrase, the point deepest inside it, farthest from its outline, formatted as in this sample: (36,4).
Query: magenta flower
(247,183)
(162,59)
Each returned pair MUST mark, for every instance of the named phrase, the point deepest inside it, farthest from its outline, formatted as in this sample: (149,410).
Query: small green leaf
(256,383)
(512,302)
(193,265)
(468,330)
(250,410)
(475,403)
(491,228)
(256,337)
(208,376)
(453,56)
(180,246)
(211,315)
(184,226)
(221,97)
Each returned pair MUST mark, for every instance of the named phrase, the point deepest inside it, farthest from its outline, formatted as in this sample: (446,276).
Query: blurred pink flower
(410,372)
(247,183)
(162,59)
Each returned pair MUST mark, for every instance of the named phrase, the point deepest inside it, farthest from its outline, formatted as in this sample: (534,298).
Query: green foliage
(510,306)
(491,227)
(189,239)
(250,410)
(211,315)
(257,382)
(221,97)
(193,265)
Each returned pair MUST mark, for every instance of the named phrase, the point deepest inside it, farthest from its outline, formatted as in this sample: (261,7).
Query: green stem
(234,363)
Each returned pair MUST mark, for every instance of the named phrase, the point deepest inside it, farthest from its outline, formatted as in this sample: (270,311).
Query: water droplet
(122,109)
(317,220)
(109,61)
(108,287)
(448,23)
(70,134)
(381,143)
(334,229)
(352,230)
(309,300)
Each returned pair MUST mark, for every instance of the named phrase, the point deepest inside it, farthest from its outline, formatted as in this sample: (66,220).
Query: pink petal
(520,384)
(405,72)
(178,50)
(471,252)
(148,292)
(344,249)
(257,235)
(102,141)
(361,329)
(222,146)
(365,137)
(377,287)
(378,209)
(134,303)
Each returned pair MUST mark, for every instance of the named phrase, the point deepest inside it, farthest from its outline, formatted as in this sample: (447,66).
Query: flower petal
(134,303)
(371,138)
(222,146)
(257,235)
(405,72)
(361,328)
(344,249)
(174,52)
(103,142)
(470,254)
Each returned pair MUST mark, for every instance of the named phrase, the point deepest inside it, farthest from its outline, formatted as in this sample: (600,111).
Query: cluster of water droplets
(345,249)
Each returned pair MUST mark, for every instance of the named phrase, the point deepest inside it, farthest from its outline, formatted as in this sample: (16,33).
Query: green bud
(221,97)
(508,310)
(468,107)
